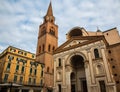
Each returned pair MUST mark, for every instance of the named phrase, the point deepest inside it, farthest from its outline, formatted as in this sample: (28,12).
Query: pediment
(78,41)
(74,42)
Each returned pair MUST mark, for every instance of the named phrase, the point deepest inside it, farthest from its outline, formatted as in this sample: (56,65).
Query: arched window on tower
(96,53)
(43,49)
(49,47)
(48,69)
(52,32)
(39,49)
(53,48)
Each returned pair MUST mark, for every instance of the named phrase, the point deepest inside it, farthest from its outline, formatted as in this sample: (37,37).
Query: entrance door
(78,76)
(84,86)
(73,88)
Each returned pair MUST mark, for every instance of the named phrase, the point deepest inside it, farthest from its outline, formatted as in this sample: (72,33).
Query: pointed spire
(49,16)
(49,11)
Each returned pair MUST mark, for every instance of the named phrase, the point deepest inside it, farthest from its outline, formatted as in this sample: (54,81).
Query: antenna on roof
(98,30)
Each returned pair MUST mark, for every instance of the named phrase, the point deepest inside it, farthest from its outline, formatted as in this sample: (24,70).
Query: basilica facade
(82,63)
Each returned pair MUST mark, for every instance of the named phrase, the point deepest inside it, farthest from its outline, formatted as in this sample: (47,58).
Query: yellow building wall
(29,57)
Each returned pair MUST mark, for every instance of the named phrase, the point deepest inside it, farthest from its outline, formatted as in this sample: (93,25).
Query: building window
(43,49)
(52,70)
(109,51)
(8,67)
(59,62)
(59,87)
(22,70)
(96,53)
(35,71)
(30,80)
(39,49)
(21,79)
(18,59)
(41,73)
(6,77)
(102,86)
(52,32)
(17,67)
(53,48)
(30,70)
(33,56)
(41,82)
(15,78)
(25,53)
(34,81)
(72,76)
(115,74)
(12,50)
(49,48)
(20,52)
(111,59)
(113,66)
(117,82)
(10,58)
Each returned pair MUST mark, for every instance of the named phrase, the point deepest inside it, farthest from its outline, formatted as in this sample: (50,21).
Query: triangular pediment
(74,42)
(78,41)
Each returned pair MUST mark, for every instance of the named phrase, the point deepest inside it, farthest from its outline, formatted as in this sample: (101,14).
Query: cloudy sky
(20,19)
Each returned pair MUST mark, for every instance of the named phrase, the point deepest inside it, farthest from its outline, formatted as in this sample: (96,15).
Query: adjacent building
(19,72)
(114,60)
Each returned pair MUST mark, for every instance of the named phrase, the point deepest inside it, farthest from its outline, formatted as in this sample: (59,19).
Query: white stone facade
(96,71)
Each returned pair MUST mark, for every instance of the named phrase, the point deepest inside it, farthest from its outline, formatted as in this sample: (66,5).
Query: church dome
(77,31)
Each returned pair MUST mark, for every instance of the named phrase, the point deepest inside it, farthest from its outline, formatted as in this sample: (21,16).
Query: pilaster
(91,66)
(106,64)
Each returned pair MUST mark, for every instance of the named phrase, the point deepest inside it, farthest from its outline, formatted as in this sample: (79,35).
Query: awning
(10,84)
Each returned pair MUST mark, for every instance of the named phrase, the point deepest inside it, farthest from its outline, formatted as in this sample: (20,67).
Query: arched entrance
(78,77)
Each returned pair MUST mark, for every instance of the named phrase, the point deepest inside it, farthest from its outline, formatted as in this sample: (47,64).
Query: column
(87,73)
(106,64)
(63,66)
(54,88)
(68,82)
(91,66)
(63,75)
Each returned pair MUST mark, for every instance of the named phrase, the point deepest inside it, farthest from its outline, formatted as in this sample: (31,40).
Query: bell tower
(47,43)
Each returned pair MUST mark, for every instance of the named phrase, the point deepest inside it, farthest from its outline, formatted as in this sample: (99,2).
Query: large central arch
(78,76)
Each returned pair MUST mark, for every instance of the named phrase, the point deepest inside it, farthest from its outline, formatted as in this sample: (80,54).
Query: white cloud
(20,20)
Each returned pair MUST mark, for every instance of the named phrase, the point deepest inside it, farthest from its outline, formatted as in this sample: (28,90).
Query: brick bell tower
(47,43)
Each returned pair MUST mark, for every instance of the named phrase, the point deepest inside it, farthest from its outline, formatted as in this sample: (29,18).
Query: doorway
(84,85)
(78,76)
